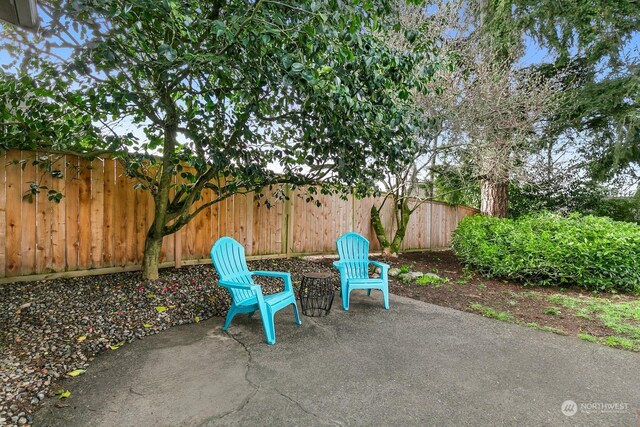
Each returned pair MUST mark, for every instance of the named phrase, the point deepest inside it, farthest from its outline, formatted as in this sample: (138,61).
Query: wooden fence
(101,223)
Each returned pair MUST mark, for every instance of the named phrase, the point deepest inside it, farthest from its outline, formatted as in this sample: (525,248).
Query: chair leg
(345,300)
(385,296)
(343,294)
(269,328)
(296,315)
(368,292)
(230,314)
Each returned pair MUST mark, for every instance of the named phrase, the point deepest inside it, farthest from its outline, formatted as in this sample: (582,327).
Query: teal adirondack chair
(353,266)
(228,259)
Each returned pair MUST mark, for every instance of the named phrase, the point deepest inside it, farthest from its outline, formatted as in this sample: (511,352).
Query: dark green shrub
(593,252)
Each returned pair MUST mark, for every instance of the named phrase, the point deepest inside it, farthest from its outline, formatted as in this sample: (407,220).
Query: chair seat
(275,299)
(366,282)
(272,299)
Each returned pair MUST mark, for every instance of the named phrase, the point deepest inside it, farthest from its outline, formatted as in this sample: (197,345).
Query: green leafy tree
(592,54)
(220,96)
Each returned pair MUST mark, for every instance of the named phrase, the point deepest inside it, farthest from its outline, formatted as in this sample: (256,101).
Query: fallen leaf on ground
(64,394)
(116,346)
(196,319)
(76,372)
(82,338)
(147,325)
(151,296)
(161,309)
(22,307)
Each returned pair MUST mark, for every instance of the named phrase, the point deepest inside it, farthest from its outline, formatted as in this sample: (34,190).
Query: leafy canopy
(257,92)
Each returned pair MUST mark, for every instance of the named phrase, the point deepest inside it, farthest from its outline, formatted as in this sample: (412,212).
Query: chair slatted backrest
(353,250)
(230,263)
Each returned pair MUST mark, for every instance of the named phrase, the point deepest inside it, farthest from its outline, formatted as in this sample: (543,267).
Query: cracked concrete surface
(417,364)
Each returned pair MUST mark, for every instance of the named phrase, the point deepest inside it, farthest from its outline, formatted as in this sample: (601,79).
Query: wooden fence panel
(102,221)
(307,222)
(120,223)
(72,208)
(14,215)
(97,212)
(130,225)
(33,238)
(59,221)
(109,213)
(84,215)
(268,225)
(3,213)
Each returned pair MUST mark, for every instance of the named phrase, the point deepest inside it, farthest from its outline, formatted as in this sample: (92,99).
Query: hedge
(596,253)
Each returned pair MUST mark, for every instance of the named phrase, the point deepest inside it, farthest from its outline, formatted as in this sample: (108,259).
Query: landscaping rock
(394,272)
(408,277)
(413,275)
(433,276)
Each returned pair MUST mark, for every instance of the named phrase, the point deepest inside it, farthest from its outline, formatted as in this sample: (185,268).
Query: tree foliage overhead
(592,47)
(231,95)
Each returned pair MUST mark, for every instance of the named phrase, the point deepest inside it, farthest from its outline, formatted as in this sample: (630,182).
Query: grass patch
(505,316)
(623,317)
(623,343)
(551,311)
(551,329)
(435,282)
(404,269)
(588,337)
(614,341)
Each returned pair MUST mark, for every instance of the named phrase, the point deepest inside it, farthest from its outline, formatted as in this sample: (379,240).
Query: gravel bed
(51,328)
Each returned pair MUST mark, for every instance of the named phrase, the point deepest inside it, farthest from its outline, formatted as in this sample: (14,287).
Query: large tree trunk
(378,228)
(494,198)
(153,242)
(403,220)
(391,247)
(152,250)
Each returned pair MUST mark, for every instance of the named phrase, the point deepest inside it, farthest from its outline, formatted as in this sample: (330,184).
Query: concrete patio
(417,364)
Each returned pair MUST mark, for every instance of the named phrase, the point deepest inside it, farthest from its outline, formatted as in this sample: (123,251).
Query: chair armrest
(384,269)
(286,277)
(241,286)
(380,265)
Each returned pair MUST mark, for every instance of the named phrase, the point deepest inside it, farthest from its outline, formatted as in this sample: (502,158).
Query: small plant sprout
(552,311)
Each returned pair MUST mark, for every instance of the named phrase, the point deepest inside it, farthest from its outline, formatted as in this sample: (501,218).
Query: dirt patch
(463,289)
